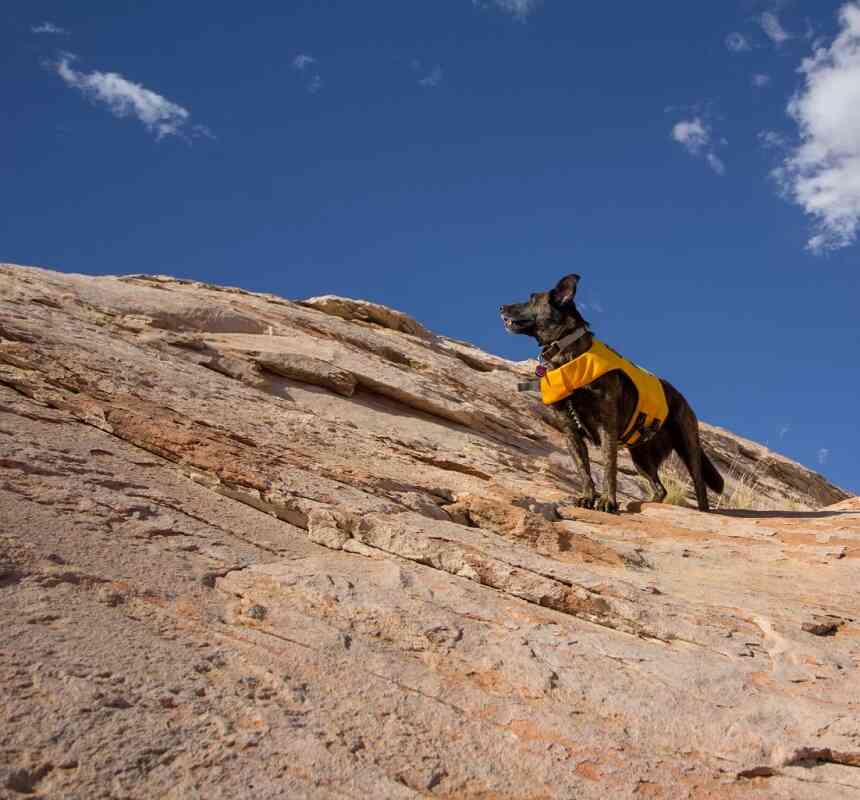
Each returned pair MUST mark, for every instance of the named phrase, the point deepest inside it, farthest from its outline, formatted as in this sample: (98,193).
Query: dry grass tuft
(745,491)
(676,480)
(743,488)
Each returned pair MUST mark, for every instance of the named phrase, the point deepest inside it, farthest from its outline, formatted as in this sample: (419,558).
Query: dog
(600,412)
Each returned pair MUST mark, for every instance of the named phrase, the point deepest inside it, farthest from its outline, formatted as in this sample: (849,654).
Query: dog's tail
(712,477)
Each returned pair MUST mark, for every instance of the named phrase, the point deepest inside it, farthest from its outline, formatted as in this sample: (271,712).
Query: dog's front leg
(608,500)
(579,452)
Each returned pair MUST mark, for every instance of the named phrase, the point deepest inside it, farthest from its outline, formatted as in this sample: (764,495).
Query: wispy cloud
(772,140)
(695,136)
(823,455)
(773,29)
(433,78)
(822,173)
(124,98)
(48,27)
(516,8)
(737,42)
(760,80)
(429,78)
(716,163)
(784,430)
(302,61)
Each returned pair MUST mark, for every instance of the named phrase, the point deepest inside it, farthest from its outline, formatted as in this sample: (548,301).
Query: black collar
(555,348)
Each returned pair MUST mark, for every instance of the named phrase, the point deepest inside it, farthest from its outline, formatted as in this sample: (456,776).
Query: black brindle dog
(600,411)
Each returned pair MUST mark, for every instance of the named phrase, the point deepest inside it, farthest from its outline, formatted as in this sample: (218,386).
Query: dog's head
(547,316)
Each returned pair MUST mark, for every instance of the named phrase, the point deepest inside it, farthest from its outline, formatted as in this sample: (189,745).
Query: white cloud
(48,27)
(772,139)
(302,61)
(692,133)
(315,84)
(784,430)
(124,98)
(760,80)
(433,78)
(696,137)
(823,455)
(822,173)
(773,29)
(516,8)
(737,42)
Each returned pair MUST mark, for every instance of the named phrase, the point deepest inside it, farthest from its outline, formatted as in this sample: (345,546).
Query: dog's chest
(592,393)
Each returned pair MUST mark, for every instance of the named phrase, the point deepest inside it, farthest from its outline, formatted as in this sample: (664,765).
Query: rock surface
(220,578)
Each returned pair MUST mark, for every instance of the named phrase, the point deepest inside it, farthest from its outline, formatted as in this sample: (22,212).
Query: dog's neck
(567,347)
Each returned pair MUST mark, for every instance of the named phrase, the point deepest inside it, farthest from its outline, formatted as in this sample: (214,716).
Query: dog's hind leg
(647,462)
(684,431)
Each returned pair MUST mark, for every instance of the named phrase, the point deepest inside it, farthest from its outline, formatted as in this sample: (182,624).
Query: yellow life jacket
(651,407)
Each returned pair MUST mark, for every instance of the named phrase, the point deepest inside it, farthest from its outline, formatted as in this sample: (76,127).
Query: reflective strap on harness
(640,432)
(634,431)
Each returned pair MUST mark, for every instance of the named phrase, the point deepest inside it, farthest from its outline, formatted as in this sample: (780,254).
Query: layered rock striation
(260,548)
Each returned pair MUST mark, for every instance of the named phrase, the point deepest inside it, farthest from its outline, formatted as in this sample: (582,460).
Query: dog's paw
(586,501)
(607,504)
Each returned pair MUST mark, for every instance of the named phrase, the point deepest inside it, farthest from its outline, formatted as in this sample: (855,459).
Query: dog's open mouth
(515,325)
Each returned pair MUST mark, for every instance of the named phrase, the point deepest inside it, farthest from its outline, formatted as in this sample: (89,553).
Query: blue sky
(697,163)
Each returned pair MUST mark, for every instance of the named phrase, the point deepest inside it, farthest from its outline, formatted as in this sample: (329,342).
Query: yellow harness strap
(651,407)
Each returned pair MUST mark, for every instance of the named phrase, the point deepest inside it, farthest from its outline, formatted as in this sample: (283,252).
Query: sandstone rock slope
(259,548)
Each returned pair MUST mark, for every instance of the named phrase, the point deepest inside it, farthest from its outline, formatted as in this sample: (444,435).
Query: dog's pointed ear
(564,292)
